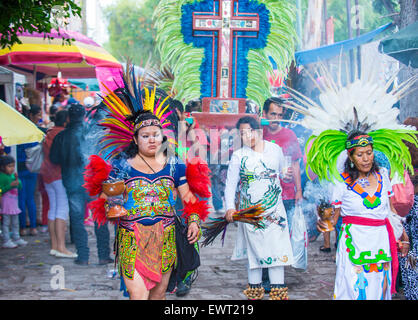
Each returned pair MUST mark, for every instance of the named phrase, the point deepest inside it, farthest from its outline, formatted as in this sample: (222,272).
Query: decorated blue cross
(224,25)
(237,38)
(227,31)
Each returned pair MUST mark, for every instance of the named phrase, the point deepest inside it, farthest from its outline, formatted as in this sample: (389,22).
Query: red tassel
(96,171)
(98,210)
(201,207)
(198,177)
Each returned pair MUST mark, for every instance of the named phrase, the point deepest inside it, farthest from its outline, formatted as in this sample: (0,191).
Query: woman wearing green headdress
(367,252)
(353,120)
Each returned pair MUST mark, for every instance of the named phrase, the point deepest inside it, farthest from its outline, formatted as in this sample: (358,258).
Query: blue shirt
(149,198)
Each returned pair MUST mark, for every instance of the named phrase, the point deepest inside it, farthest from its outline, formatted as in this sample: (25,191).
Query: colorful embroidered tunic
(146,236)
(363,255)
(257,175)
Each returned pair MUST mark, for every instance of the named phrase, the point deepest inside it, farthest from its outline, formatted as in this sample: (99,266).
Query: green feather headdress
(363,105)
(185,60)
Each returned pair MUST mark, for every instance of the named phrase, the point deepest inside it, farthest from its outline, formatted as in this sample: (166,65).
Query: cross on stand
(225,26)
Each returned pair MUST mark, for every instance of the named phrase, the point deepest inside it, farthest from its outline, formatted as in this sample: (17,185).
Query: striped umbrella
(46,57)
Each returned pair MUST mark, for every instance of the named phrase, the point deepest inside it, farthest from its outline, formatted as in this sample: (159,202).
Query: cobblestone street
(31,273)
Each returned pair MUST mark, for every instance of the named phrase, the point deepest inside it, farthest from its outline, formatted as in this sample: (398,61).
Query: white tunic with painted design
(257,177)
(363,254)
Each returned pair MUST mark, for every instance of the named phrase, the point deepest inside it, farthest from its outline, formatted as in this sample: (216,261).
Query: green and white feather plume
(281,43)
(363,105)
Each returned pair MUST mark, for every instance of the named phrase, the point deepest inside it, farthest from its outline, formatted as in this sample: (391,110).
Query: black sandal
(323,249)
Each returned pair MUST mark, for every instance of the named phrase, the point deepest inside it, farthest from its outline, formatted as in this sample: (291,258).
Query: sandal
(323,249)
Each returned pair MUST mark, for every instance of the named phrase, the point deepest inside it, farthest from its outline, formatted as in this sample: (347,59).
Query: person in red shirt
(274,109)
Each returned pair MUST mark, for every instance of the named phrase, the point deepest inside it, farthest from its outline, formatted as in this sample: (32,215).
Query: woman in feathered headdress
(137,140)
(352,122)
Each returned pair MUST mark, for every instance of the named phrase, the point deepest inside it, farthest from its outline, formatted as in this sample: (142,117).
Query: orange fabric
(149,253)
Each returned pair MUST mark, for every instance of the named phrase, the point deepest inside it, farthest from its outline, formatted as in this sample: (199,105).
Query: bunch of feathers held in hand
(211,230)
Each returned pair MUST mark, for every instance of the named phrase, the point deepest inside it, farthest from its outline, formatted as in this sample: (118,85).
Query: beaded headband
(359,141)
(147,123)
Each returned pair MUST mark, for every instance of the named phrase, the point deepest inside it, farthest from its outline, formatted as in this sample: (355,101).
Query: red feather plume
(198,177)
(201,207)
(98,211)
(96,171)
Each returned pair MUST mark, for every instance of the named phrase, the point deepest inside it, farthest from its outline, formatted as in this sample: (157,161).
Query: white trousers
(58,201)
(276,275)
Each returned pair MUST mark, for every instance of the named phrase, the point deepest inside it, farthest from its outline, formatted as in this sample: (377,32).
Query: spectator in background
(66,151)
(58,201)
(194,106)
(60,101)
(273,110)
(407,265)
(52,111)
(29,179)
(9,209)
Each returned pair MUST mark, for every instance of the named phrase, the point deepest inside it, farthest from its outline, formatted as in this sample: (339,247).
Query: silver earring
(351,164)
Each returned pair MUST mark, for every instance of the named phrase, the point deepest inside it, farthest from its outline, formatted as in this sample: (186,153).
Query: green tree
(370,19)
(32,16)
(131,31)
(388,7)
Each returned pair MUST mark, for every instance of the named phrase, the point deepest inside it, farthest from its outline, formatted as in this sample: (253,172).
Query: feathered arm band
(96,172)
(196,211)
(198,179)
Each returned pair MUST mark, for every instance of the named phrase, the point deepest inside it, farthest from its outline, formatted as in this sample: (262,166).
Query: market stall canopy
(15,128)
(402,45)
(305,57)
(47,57)
(85,84)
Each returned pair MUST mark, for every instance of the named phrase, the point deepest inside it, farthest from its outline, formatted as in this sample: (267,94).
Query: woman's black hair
(34,109)
(57,98)
(6,160)
(254,124)
(60,118)
(132,150)
(353,172)
(52,112)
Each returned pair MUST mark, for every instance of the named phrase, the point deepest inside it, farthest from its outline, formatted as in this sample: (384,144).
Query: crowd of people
(268,169)
(49,199)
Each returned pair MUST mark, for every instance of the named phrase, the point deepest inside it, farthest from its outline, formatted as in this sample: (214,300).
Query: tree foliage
(131,31)
(370,18)
(33,16)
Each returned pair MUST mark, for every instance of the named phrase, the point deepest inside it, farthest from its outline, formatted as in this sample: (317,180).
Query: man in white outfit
(256,169)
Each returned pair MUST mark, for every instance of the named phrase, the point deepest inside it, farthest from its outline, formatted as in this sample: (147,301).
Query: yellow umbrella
(15,128)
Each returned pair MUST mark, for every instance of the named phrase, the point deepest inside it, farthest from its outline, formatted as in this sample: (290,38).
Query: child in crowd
(9,183)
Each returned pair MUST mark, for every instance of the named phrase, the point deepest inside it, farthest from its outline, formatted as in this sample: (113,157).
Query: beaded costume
(362,110)
(145,240)
(150,202)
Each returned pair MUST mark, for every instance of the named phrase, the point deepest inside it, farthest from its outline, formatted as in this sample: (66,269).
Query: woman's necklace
(364,182)
(153,171)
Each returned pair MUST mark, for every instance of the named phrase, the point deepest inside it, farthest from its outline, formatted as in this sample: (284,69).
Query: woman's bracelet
(194,218)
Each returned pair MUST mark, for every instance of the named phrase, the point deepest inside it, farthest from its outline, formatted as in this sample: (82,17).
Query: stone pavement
(31,273)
